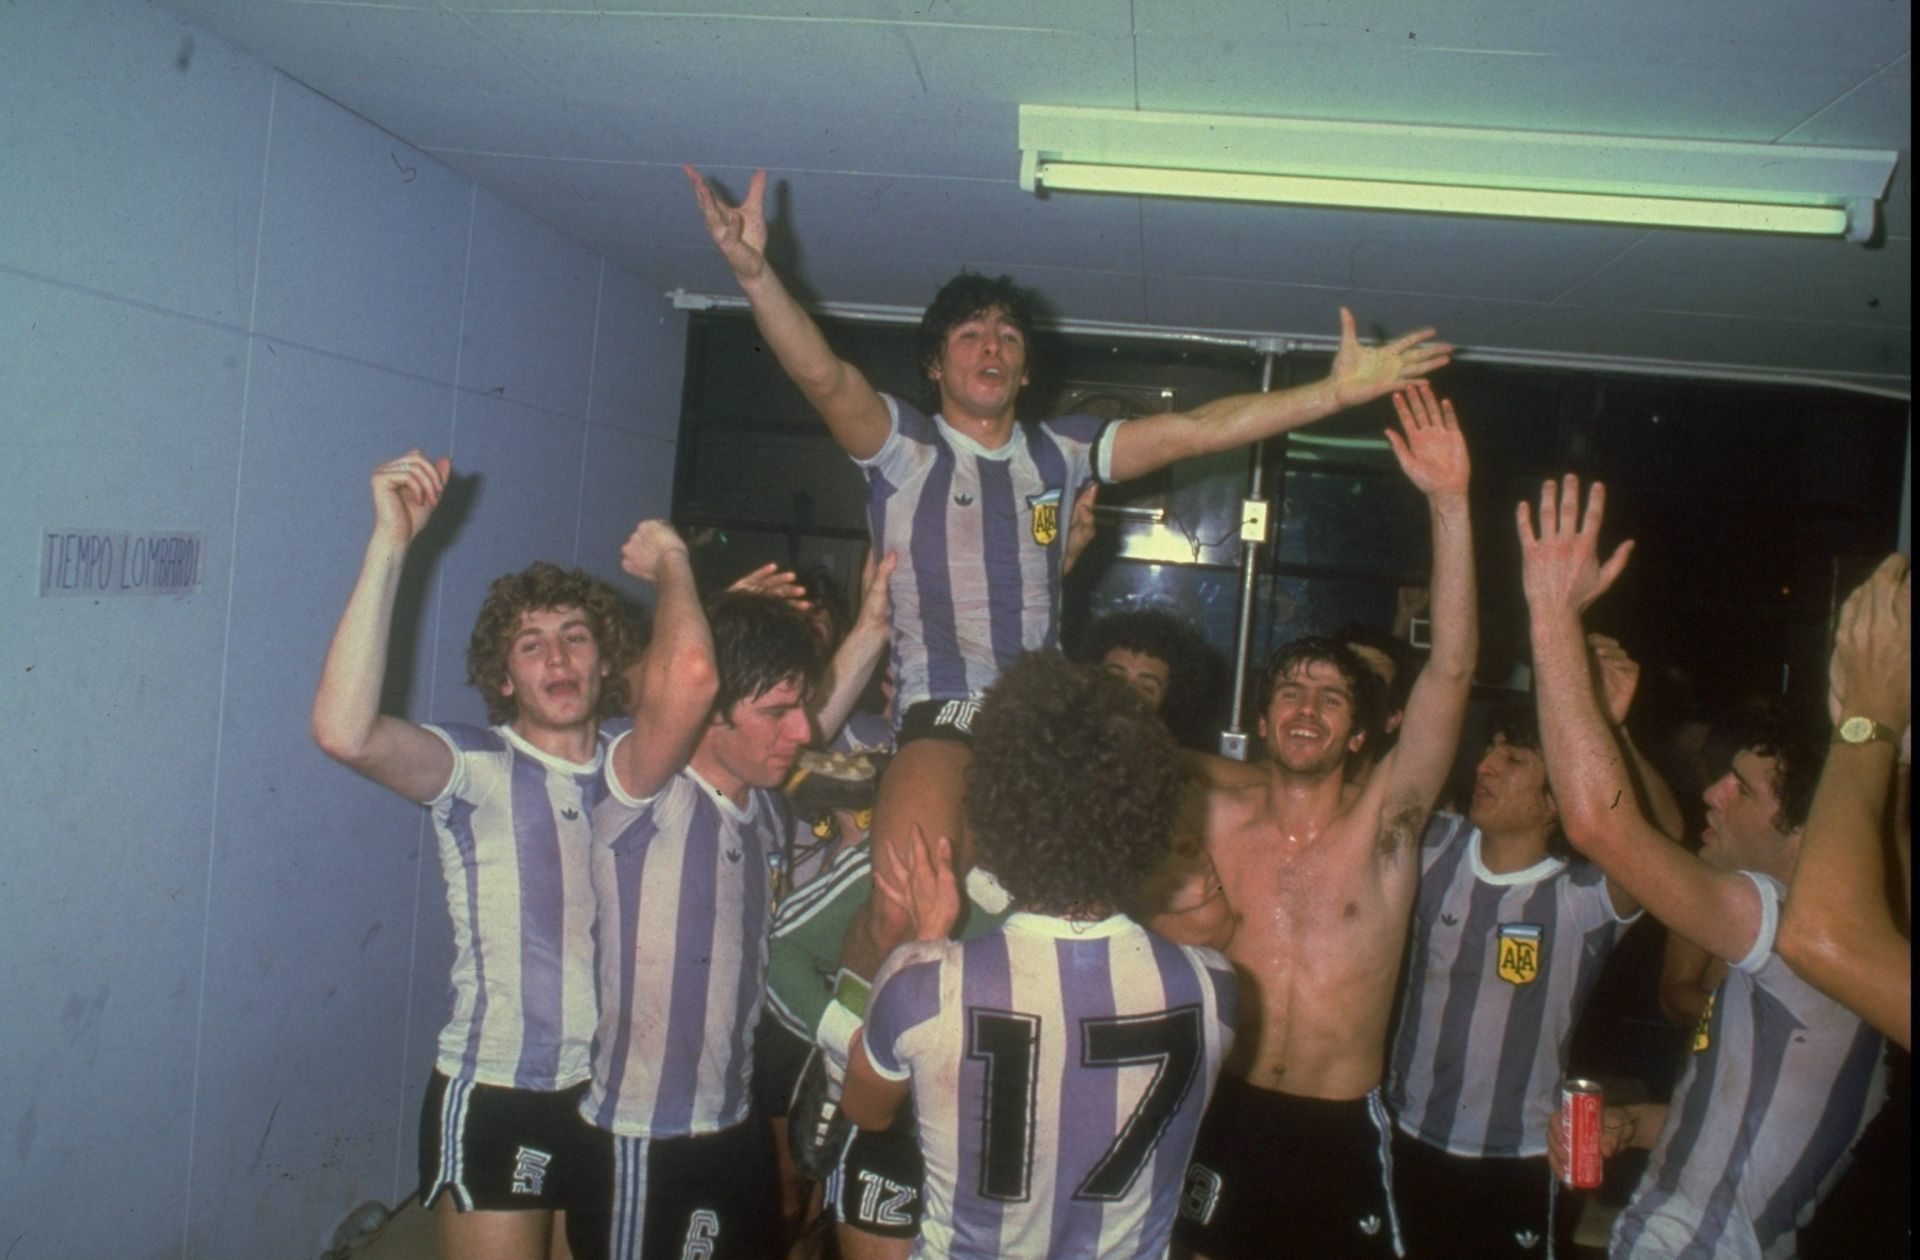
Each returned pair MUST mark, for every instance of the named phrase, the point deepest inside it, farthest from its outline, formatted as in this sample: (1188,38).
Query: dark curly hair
(537,588)
(1369,693)
(965,296)
(1194,669)
(759,642)
(1073,788)
(1798,753)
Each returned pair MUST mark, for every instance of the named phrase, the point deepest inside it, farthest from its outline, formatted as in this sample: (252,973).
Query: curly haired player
(1059,1065)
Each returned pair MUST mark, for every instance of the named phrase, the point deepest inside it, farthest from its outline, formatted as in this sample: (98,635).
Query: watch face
(1857,730)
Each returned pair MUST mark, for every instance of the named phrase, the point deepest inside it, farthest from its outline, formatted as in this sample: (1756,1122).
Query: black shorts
(778,1056)
(876,1186)
(1279,1175)
(938,719)
(712,1195)
(1455,1205)
(496,1149)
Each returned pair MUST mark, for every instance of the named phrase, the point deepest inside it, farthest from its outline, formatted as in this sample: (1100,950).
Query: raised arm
(859,652)
(1617,679)
(678,675)
(854,411)
(1838,932)
(1433,455)
(1360,374)
(347,722)
(1719,910)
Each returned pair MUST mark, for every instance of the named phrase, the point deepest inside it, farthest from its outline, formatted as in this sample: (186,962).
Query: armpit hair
(1400,827)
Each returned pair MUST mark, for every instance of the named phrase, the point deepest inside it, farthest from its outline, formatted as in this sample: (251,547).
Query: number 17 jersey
(1059,1071)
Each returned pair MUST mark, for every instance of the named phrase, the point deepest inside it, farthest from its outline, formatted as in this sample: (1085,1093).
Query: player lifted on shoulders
(1059,1065)
(1320,874)
(974,503)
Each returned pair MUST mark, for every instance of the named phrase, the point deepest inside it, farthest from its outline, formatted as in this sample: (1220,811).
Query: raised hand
(1362,373)
(738,232)
(917,889)
(405,492)
(1616,673)
(651,542)
(876,602)
(1561,564)
(1872,664)
(1432,454)
(1080,527)
(772,580)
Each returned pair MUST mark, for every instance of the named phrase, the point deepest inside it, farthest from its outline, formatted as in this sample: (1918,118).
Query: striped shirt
(682,882)
(1499,968)
(1059,1074)
(1781,1082)
(981,536)
(513,825)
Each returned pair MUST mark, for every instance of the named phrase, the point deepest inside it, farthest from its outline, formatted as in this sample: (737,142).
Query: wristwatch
(1861,730)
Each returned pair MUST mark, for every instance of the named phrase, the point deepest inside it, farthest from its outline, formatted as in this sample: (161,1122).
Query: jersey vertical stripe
(1059,1074)
(513,825)
(680,949)
(1499,967)
(981,533)
(1761,1122)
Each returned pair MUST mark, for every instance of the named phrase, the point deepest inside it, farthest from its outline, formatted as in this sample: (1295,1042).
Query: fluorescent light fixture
(1712,184)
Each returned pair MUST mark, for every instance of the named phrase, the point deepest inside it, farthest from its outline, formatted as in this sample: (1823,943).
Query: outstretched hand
(1616,674)
(1561,564)
(1872,664)
(918,888)
(1363,373)
(405,492)
(738,232)
(1432,454)
(647,549)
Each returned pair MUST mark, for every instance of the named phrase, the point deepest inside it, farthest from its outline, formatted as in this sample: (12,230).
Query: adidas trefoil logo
(569,813)
(963,500)
(733,855)
(1369,1225)
(1449,920)
(1527,1239)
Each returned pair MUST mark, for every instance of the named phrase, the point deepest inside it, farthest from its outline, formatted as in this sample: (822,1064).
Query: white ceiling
(891,124)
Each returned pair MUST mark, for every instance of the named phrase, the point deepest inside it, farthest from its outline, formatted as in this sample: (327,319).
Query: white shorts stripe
(453,1133)
(1384,1127)
(629,1224)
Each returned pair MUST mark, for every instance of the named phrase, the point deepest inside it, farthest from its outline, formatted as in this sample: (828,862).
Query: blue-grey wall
(223,300)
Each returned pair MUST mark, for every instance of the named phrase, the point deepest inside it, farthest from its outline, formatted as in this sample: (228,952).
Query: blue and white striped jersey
(981,535)
(1059,1074)
(683,886)
(513,824)
(1499,968)
(1781,1082)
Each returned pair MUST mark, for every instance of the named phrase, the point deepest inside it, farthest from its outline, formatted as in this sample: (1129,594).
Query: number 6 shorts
(707,1196)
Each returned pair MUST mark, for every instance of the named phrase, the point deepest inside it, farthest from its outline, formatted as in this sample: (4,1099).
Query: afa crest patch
(1519,953)
(1045,509)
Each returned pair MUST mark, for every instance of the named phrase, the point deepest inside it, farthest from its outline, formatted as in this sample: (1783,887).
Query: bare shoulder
(1390,815)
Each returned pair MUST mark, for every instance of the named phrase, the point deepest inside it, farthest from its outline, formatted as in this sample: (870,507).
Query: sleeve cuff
(835,1032)
(1769,924)
(1103,452)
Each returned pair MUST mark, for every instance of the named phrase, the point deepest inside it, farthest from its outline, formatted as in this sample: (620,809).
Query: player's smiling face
(1309,723)
(554,670)
(982,366)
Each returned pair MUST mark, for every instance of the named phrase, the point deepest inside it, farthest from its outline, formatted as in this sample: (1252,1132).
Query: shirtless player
(1319,875)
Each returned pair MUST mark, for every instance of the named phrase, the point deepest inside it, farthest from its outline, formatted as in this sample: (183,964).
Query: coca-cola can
(1580,1105)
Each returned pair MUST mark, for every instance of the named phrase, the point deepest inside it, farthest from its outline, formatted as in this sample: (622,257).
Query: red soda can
(1580,1106)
